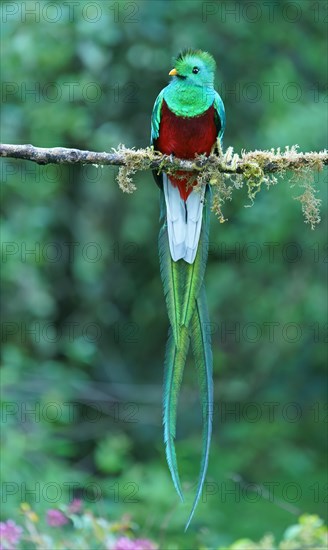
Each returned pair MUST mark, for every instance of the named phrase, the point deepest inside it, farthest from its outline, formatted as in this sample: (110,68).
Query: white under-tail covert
(184,221)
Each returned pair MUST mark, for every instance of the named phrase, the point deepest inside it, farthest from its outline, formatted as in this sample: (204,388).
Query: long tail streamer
(189,323)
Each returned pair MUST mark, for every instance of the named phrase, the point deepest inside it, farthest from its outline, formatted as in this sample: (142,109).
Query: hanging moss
(224,171)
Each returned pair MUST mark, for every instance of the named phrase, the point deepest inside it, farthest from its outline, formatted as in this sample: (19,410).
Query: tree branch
(225,172)
(228,163)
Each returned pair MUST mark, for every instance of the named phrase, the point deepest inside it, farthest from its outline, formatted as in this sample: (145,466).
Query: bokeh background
(84,322)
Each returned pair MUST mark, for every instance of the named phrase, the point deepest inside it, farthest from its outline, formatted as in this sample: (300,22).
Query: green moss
(228,171)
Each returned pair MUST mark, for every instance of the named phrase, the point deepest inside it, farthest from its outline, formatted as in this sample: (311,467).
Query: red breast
(185,138)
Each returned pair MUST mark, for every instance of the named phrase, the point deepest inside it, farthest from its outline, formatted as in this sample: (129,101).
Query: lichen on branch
(224,171)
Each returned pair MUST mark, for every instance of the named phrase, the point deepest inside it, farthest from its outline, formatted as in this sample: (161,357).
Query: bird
(188,119)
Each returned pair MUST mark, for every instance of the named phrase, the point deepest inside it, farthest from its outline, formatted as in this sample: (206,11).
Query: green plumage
(173,371)
(189,94)
(172,283)
(187,310)
(202,352)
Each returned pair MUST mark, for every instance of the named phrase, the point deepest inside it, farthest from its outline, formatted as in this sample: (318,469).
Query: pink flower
(56,518)
(123,543)
(75,506)
(10,533)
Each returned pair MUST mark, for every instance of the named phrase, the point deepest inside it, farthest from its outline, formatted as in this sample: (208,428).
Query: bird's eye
(195,70)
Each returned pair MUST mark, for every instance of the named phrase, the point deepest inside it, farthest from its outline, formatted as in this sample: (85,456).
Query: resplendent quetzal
(187,119)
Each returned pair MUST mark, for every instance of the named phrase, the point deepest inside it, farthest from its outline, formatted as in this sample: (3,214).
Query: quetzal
(187,119)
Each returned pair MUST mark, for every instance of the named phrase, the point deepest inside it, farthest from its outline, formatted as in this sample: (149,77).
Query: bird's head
(195,67)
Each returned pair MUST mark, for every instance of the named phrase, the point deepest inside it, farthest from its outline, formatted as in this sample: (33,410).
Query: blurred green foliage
(84,322)
(309,532)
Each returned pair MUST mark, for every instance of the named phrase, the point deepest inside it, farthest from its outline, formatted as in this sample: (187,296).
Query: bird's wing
(220,115)
(156,117)
(155,122)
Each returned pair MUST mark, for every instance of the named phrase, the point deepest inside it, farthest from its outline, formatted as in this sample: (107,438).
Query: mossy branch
(224,171)
(148,159)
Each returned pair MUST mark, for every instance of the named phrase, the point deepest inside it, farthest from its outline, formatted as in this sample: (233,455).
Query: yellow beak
(174,72)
